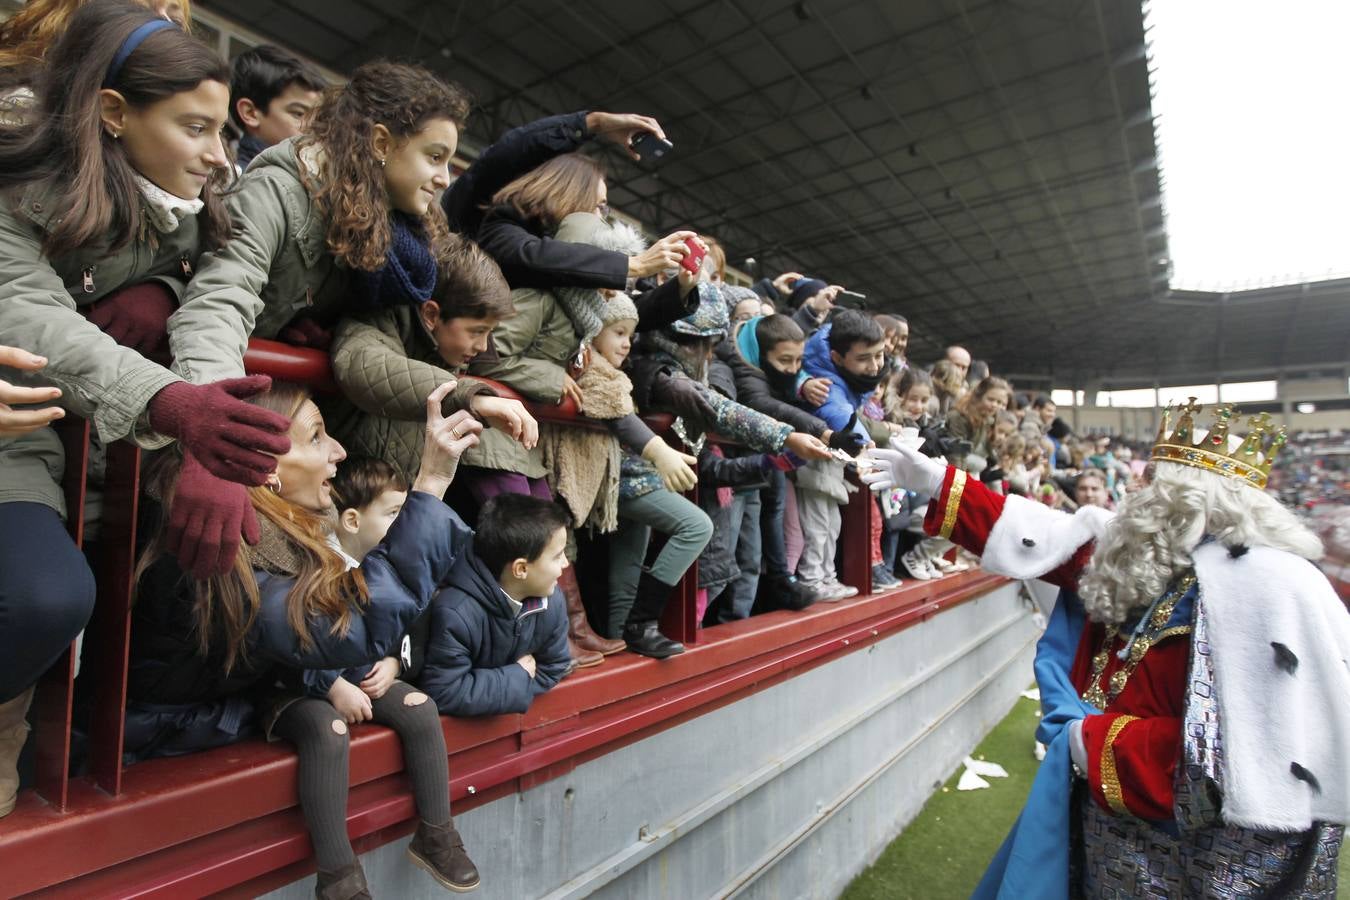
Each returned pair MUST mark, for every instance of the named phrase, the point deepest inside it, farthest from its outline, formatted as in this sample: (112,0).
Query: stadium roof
(987,169)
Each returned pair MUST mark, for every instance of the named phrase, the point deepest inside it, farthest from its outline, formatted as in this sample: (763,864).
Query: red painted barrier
(226,820)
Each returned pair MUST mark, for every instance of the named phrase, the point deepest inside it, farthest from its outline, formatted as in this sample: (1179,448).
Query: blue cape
(1033,863)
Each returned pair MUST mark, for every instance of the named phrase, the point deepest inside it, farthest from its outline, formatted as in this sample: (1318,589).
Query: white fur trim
(1054,537)
(1269,718)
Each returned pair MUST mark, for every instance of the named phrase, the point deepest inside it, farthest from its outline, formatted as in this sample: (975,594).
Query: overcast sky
(1254,138)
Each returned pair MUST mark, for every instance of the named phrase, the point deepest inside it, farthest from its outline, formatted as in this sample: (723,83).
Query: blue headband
(129,47)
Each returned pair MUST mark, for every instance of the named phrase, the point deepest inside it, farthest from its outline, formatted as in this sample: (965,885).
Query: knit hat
(804,290)
(734,294)
(585,307)
(710,319)
(617,309)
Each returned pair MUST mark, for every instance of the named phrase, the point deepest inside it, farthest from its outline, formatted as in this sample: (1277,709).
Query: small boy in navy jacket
(498,631)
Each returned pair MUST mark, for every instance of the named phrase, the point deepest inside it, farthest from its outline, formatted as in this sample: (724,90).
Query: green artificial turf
(944,851)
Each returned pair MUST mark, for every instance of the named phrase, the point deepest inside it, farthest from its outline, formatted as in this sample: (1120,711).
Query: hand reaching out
(21,421)
(621,128)
(445,441)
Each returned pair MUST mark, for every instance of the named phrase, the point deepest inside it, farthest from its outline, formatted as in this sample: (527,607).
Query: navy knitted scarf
(409,271)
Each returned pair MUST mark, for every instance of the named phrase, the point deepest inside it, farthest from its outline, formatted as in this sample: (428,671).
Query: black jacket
(530,258)
(475,638)
(752,389)
(514,153)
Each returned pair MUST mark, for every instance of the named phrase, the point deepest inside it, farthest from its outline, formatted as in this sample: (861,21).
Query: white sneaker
(825,591)
(917,566)
(845,590)
(933,571)
(942,564)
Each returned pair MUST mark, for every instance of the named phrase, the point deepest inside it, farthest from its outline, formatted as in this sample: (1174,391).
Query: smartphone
(851,299)
(694,258)
(648,146)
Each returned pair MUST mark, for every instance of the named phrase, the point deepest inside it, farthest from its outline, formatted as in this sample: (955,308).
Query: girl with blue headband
(107,196)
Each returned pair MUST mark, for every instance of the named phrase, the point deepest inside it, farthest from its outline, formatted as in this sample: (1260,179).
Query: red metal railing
(216,820)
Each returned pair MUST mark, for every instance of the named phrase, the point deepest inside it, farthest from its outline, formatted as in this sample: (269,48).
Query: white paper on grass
(1033,694)
(985,768)
(970,781)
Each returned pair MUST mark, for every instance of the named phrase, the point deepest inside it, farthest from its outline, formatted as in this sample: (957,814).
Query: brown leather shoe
(578,628)
(581,658)
(439,850)
(346,883)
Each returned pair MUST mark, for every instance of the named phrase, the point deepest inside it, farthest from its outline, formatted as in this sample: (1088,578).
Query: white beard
(1151,539)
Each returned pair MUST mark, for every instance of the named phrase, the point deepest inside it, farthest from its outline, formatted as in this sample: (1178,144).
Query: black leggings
(309,724)
(46,593)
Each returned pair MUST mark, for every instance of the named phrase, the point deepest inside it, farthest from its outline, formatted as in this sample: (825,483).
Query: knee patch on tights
(416,698)
(339,726)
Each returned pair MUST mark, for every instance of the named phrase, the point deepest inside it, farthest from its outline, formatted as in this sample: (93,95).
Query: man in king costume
(1194,676)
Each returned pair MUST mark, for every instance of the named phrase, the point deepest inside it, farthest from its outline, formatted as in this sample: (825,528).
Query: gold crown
(1249,463)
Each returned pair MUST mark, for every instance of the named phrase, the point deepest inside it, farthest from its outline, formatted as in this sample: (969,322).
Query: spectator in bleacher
(909,403)
(948,387)
(973,420)
(1060,435)
(745,305)
(497,635)
(336,221)
(896,328)
(670,374)
(544,349)
(387,360)
(849,351)
(979,371)
(272,95)
(766,363)
(520,232)
(541,200)
(959,357)
(1005,424)
(731,479)
(104,162)
(812,300)
(518,151)
(1037,419)
(1089,489)
(206,654)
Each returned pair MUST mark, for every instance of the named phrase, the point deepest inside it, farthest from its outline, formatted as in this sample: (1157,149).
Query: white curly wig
(1150,540)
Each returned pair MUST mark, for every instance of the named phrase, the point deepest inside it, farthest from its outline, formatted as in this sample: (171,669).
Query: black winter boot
(640,631)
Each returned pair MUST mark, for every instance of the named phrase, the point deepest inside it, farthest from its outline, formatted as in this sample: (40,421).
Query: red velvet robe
(1134,746)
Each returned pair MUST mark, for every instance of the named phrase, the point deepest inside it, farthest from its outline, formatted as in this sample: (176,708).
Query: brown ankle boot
(582,658)
(439,850)
(13,734)
(579,632)
(346,883)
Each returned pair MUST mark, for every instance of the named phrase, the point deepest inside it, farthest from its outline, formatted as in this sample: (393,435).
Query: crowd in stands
(403,547)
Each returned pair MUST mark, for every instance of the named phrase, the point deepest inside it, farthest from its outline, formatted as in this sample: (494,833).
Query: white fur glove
(904,467)
(672,465)
(1077,749)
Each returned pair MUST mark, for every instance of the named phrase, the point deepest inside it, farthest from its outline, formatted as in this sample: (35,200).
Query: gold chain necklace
(1157,623)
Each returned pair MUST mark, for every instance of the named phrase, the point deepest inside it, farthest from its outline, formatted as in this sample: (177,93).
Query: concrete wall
(787,793)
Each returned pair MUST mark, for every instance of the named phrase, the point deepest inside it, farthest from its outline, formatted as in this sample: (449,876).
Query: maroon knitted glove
(137,316)
(231,438)
(306,333)
(207,519)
